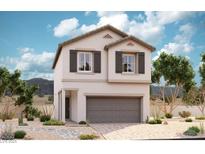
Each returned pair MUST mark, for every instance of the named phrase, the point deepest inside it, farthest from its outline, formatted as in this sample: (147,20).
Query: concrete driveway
(130,131)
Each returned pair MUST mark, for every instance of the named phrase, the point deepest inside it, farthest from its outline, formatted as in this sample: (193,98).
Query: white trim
(78,61)
(134,63)
(116,94)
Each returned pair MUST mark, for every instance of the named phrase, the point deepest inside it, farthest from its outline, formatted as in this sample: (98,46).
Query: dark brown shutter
(118,62)
(73,61)
(141,63)
(97,61)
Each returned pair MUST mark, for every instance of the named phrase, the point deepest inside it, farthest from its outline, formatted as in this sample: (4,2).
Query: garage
(113,109)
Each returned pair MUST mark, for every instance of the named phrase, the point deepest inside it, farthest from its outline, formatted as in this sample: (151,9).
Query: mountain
(45,86)
(155,91)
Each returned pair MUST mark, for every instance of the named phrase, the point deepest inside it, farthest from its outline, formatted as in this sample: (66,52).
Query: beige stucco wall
(88,84)
(83,89)
(58,75)
(96,42)
(120,77)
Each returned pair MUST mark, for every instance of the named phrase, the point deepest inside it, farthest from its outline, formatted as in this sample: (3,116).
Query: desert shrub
(6,112)
(190,132)
(7,133)
(195,128)
(188,120)
(44,118)
(32,111)
(185,114)
(50,98)
(168,115)
(158,121)
(19,134)
(30,118)
(152,122)
(88,136)
(155,121)
(200,118)
(53,122)
(82,122)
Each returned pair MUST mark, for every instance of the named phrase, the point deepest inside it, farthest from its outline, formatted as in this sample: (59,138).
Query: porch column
(145,106)
(63,105)
(81,105)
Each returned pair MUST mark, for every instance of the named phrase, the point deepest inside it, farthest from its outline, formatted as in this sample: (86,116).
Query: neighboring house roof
(124,35)
(135,39)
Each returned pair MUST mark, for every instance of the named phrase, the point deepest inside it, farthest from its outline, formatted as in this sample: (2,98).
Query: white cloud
(66,27)
(108,13)
(150,26)
(31,64)
(25,50)
(85,28)
(181,42)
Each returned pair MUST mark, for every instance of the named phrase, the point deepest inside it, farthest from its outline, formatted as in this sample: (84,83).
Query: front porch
(69,107)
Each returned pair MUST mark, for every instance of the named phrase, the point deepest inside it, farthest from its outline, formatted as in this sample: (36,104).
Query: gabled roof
(133,38)
(109,27)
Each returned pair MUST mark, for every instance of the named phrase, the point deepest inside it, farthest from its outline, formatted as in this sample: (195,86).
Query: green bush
(31,111)
(82,122)
(44,118)
(53,122)
(155,121)
(50,98)
(200,118)
(19,134)
(88,136)
(188,120)
(195,128)
(168,115)
(30,118)
(190,132)
(185,114)
(158,121)
(152,122)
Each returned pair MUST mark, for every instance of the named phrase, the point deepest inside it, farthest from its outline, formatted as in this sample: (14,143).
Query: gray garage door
(113,109)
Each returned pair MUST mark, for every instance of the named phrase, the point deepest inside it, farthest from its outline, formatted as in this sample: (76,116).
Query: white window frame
(78,61)
(134,63)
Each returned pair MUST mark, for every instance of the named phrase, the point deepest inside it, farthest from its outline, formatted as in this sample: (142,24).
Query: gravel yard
(112,131)
(37,131)
(174,129)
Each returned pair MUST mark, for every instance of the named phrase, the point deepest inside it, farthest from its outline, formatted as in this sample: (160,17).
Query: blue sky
(28,40)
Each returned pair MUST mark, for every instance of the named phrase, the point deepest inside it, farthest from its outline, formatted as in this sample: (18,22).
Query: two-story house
(102,76)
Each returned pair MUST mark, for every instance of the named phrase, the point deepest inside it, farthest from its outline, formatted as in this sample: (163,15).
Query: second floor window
(128,61)
(84,62)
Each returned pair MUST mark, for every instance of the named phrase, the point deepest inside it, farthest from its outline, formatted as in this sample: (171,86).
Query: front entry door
(67,108)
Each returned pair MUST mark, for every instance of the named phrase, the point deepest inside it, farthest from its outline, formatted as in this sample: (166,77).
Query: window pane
(87,62)
(131,64)
(81,62)
(124,63)
(128,63)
